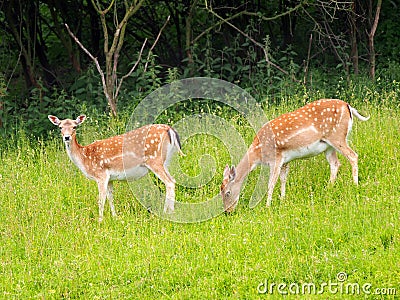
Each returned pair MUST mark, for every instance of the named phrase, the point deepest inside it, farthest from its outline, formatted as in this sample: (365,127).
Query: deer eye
(74,127)
(228,194)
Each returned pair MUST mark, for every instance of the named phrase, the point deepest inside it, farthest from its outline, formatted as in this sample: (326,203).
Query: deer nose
(67,138)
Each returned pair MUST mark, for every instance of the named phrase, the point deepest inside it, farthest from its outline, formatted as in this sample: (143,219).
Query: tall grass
(52,246)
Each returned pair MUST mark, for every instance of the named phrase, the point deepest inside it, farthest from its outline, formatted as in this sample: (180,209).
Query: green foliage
(88,89)
(31,115)
(3,86)
(240,63)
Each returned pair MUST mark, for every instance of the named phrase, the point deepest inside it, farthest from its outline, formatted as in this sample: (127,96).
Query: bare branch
(371,34)
(102,14)
(120,30)
(131,70)
(253,41)
(376,20)
(308,60)
(331,7)
(82,47)
(325,35)
(288,12)
(109,77)
(103,80)
(154,44)
(253,14)
(98,9)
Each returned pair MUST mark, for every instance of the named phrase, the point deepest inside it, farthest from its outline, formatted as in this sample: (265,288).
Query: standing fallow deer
(123,157)
(320,126)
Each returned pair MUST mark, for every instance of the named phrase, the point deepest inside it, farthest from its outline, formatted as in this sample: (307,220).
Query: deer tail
(175,140)
(354,112)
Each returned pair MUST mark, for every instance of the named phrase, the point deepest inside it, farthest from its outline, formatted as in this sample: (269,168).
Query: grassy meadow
(343,240)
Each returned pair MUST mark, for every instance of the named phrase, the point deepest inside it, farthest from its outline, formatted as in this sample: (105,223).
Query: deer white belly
(306,151)
(129,174)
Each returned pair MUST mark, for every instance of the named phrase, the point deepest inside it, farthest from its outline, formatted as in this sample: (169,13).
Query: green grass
(52,246)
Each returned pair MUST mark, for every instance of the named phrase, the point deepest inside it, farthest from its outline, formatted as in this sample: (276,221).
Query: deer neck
(75,153)
(245,166)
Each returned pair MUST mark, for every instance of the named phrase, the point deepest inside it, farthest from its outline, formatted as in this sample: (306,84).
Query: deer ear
(232,173)
(54,120)
(80,119)
(227,171)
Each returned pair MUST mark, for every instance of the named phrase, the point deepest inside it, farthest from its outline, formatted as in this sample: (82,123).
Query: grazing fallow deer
(123,157)
(320,126)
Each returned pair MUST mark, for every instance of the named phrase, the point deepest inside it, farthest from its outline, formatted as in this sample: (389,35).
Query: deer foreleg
(273,178)
(102,185)
(110,197)
(283,177)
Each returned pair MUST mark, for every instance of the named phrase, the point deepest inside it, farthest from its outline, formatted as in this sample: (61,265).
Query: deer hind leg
(110,197)
(351,156)
(334,164)
(283,177)
(162,173)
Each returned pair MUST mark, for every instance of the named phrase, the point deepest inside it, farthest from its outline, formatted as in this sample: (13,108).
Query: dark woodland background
(270,48)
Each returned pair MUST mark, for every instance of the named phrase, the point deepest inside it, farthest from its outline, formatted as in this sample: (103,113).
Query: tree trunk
(73,54)
(17,32)
(371,34)
(111,52)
